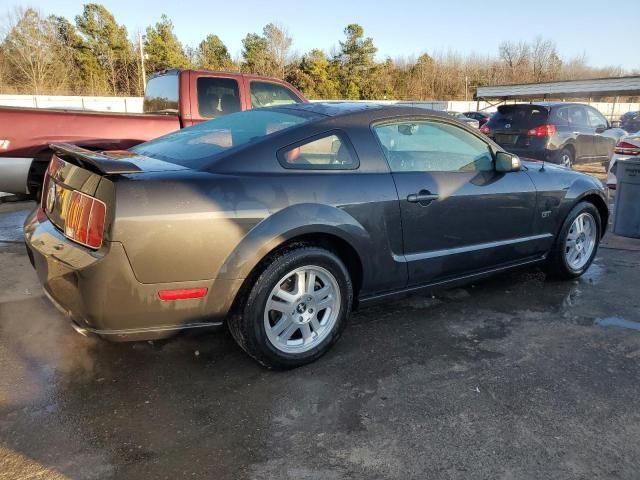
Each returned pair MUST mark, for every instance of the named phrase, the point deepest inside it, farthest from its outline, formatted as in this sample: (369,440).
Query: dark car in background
(557,132)
(481,117)
(630,122)
(280,220)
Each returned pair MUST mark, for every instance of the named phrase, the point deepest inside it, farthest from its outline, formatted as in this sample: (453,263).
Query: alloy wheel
(581,241)
(302,309)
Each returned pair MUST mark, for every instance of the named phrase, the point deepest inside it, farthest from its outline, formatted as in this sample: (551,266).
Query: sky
(405,28)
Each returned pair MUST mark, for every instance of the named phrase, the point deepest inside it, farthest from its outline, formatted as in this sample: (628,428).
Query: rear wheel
(296,308)
(566,157)
(577,244)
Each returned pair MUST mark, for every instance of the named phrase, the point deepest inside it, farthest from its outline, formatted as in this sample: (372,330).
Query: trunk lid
(77,184)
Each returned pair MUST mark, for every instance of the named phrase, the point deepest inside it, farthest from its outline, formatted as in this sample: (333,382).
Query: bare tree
(545,61)
(32,51)
(278,46)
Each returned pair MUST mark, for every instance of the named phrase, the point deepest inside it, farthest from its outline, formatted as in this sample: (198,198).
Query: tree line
(95,55)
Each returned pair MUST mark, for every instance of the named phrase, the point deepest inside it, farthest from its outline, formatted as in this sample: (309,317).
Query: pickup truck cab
(173,99)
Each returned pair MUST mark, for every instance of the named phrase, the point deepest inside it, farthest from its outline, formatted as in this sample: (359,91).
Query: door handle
(423,197)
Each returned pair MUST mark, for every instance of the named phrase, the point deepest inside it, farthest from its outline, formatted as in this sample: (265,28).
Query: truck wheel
(296,308)
(577,243)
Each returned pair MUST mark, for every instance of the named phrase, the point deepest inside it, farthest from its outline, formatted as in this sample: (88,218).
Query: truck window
(217,96)
(267,94)
(161,94)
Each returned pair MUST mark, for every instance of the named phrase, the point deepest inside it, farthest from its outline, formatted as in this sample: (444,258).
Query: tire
(566,157)
(312,323)
(560,264)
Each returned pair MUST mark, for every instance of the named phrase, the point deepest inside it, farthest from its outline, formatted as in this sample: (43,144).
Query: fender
(583,187)
(291,222)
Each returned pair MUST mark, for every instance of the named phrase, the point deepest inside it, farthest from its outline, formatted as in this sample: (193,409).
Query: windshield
(194,146)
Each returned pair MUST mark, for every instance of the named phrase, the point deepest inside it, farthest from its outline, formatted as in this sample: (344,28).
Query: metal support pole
(144,74)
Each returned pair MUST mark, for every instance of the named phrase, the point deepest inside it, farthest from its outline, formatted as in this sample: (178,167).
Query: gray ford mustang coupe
(279,221)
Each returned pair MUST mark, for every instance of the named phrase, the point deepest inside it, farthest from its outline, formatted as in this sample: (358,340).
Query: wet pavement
(515,377)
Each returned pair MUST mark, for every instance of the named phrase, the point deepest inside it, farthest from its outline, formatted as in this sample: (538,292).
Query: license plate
(506,139)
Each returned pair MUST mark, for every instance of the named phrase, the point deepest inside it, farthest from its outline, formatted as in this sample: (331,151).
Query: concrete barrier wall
(97,104)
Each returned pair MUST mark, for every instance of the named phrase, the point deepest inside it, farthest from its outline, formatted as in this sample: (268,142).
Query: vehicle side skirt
(448,283)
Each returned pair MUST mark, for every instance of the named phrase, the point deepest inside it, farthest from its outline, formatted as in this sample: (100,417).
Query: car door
(603,144)
(458,214)
(216,95)
(583,133)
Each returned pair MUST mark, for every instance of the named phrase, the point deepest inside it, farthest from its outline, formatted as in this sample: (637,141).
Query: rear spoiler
(98,161)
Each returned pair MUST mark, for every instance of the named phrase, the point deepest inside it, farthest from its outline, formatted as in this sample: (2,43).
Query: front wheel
(296,308)
(577,243)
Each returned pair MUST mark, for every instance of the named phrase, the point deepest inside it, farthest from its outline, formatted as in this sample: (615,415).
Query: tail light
(542,131)
(485,129)
(54,165)
(625,148)
(85,220)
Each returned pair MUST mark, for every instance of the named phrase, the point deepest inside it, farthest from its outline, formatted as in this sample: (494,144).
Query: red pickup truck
(173,99)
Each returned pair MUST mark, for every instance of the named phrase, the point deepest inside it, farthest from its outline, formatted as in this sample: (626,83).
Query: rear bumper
(98,291)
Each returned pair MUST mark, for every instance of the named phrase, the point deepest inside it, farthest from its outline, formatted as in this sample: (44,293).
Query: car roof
(337,109)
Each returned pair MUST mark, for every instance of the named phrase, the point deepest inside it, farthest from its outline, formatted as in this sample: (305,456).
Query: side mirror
(601,128)
(507,162)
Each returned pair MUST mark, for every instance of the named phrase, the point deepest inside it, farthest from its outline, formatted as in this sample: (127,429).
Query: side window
(266,94)
(596,119)
(331,152)
(217,96)
(578,117)
(429,146)
(560,116)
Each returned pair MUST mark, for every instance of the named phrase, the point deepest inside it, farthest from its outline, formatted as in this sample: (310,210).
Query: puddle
(617,322)
(594,274)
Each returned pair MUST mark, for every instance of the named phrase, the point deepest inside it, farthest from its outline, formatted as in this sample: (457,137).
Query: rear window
(518,116)
(161,95)
(195,146)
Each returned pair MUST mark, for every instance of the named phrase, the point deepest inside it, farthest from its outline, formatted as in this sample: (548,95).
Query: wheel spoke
(278,306)
(311,282)
(305,329)
(326,303)
(284,322)
(287,297)
(322,293)
(315,323)
(289,331)
(300,282)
